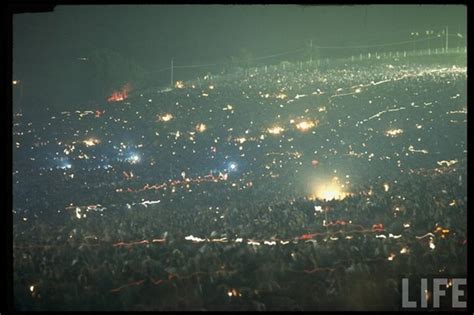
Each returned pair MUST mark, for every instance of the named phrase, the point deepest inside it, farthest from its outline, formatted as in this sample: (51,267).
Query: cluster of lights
(234,293)
(135,158)
(393,132)
(275,130)
(91,142)
(166,117)
(305,125)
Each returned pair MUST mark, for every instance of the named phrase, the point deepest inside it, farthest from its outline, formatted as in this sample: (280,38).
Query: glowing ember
(393,132)
(121,95)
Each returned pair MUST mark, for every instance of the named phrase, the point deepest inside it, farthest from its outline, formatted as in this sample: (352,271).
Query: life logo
(433,292)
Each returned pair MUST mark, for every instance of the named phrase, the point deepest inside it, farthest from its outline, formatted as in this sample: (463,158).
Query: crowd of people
(204,198)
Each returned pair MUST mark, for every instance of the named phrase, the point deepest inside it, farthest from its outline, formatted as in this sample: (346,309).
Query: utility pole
(446,49)
(171,72)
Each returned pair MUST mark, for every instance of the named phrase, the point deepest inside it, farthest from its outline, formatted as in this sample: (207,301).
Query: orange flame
(118,96)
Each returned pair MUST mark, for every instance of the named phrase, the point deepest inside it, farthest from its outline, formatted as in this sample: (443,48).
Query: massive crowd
(203,197)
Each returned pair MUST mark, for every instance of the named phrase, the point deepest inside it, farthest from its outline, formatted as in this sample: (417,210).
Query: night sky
(46,46)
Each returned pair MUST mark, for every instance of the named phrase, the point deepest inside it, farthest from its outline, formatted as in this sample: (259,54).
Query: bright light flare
(330,191)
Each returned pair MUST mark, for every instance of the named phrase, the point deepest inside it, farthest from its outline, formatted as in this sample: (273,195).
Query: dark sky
(46,46)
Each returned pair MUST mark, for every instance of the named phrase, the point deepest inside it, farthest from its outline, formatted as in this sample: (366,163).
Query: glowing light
(432,245)
(393,132)
(179,84)
(305,125)
(450,283)
(391,257)
(201,127)
(15,82)
(120,95)
(241,140)
(447,163)
(404,250)
(91,142)
(275,130)
(427,295)
(233,292)
(32,288)
(228,107)
(66,166)
(166,117)
(386,187)
(232,166)
(281,96)
(194,239)
(411,149)
(78,213)
(134,159)
(329,191)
